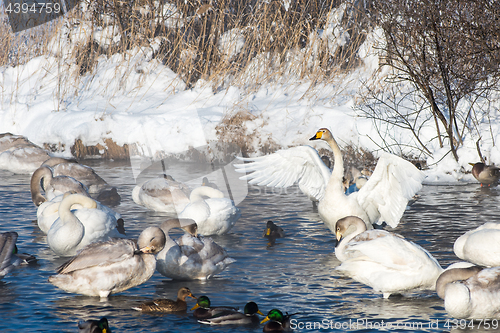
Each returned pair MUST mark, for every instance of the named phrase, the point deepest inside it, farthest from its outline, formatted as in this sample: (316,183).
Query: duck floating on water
(485,174)
(167,305)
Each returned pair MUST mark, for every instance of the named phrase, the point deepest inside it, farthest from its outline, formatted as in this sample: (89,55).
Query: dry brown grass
(264,42)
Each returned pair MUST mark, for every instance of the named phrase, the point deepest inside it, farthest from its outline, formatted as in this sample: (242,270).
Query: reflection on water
(295,274)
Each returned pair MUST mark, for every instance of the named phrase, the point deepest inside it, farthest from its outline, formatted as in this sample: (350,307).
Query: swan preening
(480,246)
(385,261)
(97,187)
(383,198)
(162,195)
(110,267)
(43,180)
(48,212)
(191,257)
(214,214)
(73,231)
(471,293)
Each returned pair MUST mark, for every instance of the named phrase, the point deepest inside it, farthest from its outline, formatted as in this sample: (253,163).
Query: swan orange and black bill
(317,136)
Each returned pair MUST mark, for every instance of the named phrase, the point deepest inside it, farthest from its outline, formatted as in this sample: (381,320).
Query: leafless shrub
(448,50)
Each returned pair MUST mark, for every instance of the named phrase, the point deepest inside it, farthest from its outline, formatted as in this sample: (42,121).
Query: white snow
(134,99)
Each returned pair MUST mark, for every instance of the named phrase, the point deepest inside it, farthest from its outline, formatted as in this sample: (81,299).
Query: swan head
(191,228)
(322,134)
(452,275)
(348,225)
(151,240)
(188,225)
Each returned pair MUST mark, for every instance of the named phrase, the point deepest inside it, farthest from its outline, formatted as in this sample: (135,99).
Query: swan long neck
(204,191)
(41,174)
(452,275)
(169,225)
(338,166)
(65,212)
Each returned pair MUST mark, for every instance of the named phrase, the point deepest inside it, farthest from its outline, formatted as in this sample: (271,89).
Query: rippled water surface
(296,274)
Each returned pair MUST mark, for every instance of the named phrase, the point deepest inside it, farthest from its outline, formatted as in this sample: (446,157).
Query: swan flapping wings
(301,165)
(384,197)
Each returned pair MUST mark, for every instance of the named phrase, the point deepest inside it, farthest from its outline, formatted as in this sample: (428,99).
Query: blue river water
(296,274)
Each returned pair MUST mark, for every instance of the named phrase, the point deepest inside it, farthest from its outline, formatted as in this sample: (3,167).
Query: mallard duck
(191,257)
(44,180)
(385,261)
(273,231)
(214,214)
(203,310)
(94,326)
(470,293)
(249,316)
(394,179)
(105,268)
(19,155)
(75,229)
(485,174)
(167,305)
(9,256)
(276,322)
(162,195)
(480,246)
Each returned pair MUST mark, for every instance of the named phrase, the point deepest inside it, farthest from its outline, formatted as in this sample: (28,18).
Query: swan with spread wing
(382,199)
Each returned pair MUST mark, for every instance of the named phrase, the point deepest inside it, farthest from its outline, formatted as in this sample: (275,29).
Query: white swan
(385,261)
(19,155)
(192,257)
(43,180)
(383,198)
(162,195)
(48,212)
(70,233)
(110,267)
(214,214)
(471,293)
(480,246)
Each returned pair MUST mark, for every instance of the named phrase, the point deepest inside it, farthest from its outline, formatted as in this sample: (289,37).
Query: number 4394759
(472,324)
(34,8)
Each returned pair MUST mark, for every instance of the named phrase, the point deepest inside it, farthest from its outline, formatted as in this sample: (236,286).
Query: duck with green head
(203,310)
(276,321)
(94,326)
(273,231)
(248,317)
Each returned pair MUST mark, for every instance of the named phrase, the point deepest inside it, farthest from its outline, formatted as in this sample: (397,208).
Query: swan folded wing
(393,183)
(82,173)
(486,279)
(391,251)
(63,184)
(100,253)
(286,167)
